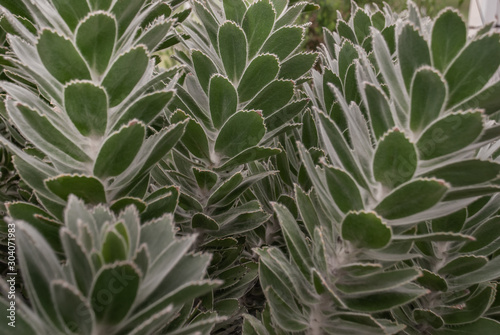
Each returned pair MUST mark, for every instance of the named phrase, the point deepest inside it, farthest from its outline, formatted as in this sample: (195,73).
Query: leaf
(60,57)
(467,172)
(205,179)
(483,326)
(194,137)
(413,52)
(249,155)
(385,300)
(294,238)
(411,198)
(449,35)
(366,230)
(72,307)
(122,203)
(427,317)
(125,74)
(379,110)
(395,159)
(428,95)
(286,317)
(377,282)
(234,10)
(223,100)
(203,222)
(449,134)
(347,55)
(260,72)
(156,33)
(87,188)
(224,189)
(432,281)
(252,326)
(345,31)
(286,114)
(273,97)
(297,65)
(208,21)
(204,68)
(242,131)
(233,50)
(112,303)
(462,265)
(485,234)
(146,108)
(362,23)
(472,69)
(114,248)
(257,25)
(119,150)
(87,107)
(284,41)
(95,38)
(343,189)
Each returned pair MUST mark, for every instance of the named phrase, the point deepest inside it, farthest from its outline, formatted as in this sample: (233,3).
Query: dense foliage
(255,188)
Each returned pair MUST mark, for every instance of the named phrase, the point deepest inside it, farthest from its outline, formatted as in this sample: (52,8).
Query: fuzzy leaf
(283,41)
(260,72)
(449,35)
(87,188)
(297,65)
(73,308)
(95,38)
(234,10)
(223,100)
(242,131)
(467,172)
(60,57)
(413,52)
(380,112)
(366,230)
(395,159)
(119,150)
(257,25)
(411,198)
(377,282)
(343,189)
(204,68)
(273,97)
(233,50)
(87,107)
(463,265)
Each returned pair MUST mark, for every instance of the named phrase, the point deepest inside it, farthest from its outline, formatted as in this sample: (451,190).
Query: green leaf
(432,281)
(343,189)
(450,223)
(146,108)
(395,159)
(449,35)
(413,52)
(205,179)
(366,230)
(95,38)
(156,33)
(284,41)
(377,282)
(114,247)
(119,150)
(483,326)
(60,57)
(125,74)
(379,110)
(474,308)
(162,201)
(252,326)
(488,99)
(72,307)
(297,65)
(485,234)
(428,95)
(87,188)
(249,155)
(87,107)
(204,222)
(280,118)
(345,31)
(462,265)
(194,137)
(233,50)
(411,198)
(347,55)
(295,239)
(204,68)
(125,11)
(234,10)
(242,131)
(224,189)
(362,23)
(257,24)
(472,68)
(386,300)
(122,203)
(208,21)
(72,12)
(467,172)
(260,72)
(223,100)
(286,317)
(427,317)
(112,303)
(449,134)
(273,97)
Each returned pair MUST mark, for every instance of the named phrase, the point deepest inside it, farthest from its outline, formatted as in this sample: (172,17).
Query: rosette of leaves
(409,155)
(120,276)
(84,88)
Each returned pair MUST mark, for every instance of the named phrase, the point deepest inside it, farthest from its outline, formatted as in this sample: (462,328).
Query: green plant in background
(353,190)
(120,276)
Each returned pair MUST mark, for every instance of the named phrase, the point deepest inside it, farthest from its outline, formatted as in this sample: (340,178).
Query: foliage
(255,188)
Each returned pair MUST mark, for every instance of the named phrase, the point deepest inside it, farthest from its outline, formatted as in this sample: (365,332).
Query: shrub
(255,188)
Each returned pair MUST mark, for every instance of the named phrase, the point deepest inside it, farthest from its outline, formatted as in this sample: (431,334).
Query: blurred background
(327,15)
